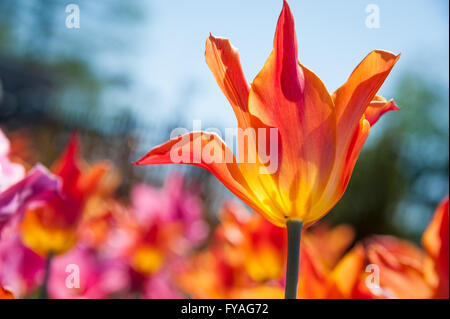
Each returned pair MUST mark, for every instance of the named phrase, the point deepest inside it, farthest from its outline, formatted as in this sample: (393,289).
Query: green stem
(43,294)
(294,232)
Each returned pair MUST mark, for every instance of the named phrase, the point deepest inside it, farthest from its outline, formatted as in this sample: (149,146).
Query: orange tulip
(319,135)
(403,270)
(401,267)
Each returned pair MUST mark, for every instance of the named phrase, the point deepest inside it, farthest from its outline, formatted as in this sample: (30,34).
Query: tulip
(319,135)
(401,267)
(389,267)
(51,228)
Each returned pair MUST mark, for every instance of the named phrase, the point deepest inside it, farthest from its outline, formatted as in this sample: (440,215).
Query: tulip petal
(354,101)
(67,166)
(223,60)
(377,108)
(287,96)
(344,277)
(342,171)
(38,185)
(193,149)
(436,243)
(356,144)
(313,275)
(353,98)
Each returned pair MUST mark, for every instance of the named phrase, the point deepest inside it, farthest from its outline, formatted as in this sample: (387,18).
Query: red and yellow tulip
(52,228)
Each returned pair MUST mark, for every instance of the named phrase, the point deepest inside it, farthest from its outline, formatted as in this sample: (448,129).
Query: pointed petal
(353,98)
(67,166)
(291,98)
(352,101)
(377,108)
(223,60)
(191,149)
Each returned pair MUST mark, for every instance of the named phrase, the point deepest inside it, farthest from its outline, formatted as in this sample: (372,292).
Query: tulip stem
(294,232)
(43,294)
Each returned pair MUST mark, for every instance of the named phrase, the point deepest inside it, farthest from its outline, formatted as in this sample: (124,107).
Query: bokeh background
(135,70)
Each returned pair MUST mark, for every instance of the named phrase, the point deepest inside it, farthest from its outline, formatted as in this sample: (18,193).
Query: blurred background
(134,70)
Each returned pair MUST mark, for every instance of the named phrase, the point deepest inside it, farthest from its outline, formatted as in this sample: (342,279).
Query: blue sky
(332,39)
